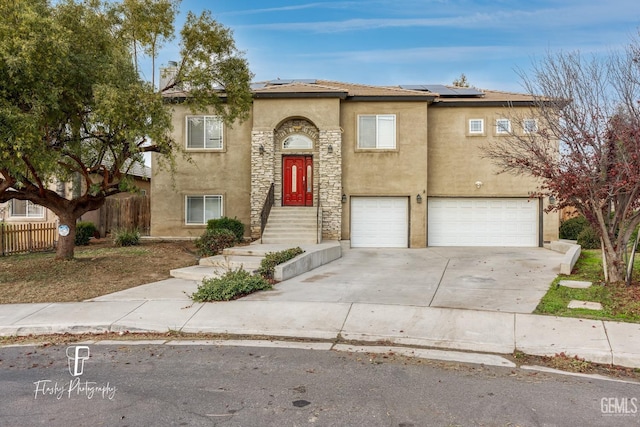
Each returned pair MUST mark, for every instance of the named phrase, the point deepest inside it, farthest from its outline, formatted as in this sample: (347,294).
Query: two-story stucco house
(378,166)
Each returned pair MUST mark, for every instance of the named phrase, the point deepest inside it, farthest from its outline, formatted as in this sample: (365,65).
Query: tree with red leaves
(586,148)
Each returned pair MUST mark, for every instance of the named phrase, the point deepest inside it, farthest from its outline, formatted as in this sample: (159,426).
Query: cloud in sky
(295,7)
(495,20)
(377,41)
(411,55)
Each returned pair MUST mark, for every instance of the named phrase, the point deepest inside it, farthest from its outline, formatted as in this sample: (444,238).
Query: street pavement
(461,299)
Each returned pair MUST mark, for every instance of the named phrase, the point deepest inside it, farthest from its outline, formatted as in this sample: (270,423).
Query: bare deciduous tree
(585,149)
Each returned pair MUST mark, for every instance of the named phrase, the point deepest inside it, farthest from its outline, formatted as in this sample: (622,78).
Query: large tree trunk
(615,264)
(66,244)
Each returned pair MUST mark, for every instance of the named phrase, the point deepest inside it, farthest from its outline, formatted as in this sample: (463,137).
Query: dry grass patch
(98,269)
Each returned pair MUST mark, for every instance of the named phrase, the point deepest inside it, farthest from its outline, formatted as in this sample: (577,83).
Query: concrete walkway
(393,318)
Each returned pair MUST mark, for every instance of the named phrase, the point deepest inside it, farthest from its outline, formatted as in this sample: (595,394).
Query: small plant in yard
(212,242)
(588,238)
(126,237)
(84,232)
(232,285)
(271,259)
(571,228)
(517,354)
(224,223)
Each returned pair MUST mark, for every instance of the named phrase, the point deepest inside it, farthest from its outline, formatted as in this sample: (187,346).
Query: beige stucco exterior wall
(225,172)
(399,172)
(319,119)
(270,113)
(456,160)
(434,157)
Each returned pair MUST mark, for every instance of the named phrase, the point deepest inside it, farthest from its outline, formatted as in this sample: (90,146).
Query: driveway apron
(494,279)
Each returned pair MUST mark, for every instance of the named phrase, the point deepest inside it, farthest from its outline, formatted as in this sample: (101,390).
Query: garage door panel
(482,222)
(379,222)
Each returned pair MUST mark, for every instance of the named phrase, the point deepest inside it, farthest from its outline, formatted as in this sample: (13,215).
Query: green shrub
(84,232)
(124,237)
(232,285)
(570,228)
(212,242)
(234,225)
(588,239)
(271,259)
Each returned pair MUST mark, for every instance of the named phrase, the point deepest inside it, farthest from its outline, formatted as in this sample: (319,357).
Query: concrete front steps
(250,257)
(215,266)
(291,225)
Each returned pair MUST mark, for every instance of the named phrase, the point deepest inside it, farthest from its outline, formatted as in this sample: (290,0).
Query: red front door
(297,181)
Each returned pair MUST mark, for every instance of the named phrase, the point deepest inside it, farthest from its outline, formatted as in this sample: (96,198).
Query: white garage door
(379,222)
(483,222)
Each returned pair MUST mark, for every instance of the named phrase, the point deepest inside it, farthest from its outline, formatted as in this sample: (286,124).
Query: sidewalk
(434,327)
(462,299)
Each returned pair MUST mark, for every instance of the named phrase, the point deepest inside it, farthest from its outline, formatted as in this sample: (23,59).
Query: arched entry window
(297,141)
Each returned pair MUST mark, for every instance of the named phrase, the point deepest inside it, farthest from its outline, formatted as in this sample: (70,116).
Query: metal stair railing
(319,218)
(266,208)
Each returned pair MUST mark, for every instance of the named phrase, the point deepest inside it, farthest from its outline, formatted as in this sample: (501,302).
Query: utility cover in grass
(576,284)
(585,304)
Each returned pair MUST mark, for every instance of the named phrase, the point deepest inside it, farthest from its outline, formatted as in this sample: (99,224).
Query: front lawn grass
(619,302)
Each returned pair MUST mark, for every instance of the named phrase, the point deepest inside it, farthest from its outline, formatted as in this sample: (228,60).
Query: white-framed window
(530,125)
(200,209)
(204,132)
(476,126)
(25,209)
(503,126)
(377,131)
(297,141)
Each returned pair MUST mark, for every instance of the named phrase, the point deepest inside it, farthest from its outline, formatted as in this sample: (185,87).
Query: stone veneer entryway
(266,168)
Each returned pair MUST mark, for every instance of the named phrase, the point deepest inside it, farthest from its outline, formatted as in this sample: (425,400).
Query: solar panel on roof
(468,91)
(255,86)
(289,81)
(445,91)
(280,82)
(439,89)
(412,87)
(442,90)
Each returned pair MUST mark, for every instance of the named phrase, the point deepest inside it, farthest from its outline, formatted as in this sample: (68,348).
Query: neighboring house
(141,175)
(23,211)
(384,166)
(118,215)
(26,212)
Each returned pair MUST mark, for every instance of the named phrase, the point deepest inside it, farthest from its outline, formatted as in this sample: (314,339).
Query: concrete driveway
(495,279)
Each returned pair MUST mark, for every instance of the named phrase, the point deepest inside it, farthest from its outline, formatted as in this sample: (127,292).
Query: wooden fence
(129,213)
(20,238)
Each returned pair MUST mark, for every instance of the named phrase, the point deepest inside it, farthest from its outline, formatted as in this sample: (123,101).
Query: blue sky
(388,42)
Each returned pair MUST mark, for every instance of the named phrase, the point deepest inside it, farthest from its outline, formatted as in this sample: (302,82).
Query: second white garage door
(379,222)
(483,222)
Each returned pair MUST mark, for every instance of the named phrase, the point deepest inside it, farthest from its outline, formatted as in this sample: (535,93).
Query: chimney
(168,76)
